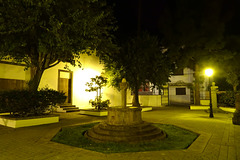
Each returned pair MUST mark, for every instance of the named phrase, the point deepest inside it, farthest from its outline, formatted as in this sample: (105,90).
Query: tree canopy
(43,33)
(194,33)
(141,58)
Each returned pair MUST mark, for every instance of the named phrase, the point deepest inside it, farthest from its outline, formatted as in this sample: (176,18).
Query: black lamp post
(209,73)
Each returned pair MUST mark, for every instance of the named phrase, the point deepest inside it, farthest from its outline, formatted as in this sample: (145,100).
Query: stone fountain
(124,124)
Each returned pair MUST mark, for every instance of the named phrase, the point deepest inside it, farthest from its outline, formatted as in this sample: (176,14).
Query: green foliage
(43,33)
(227,99)
(193,31)
(100,105)
(28,103)
(141,58)
(231,68)
(96,85)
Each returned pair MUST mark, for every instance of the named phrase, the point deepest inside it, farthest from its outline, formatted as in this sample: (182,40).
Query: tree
(96,85)
(43,33)
(139,59)
(194,32)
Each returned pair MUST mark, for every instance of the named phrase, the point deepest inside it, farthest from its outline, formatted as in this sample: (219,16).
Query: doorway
(65,84)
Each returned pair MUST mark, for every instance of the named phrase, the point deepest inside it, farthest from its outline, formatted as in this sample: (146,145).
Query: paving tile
(223,154)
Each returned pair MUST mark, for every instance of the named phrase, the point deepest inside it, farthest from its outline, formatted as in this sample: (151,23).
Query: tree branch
(57,62)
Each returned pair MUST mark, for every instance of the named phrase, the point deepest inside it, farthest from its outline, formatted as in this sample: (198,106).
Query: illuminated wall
(9,71)
(90,68)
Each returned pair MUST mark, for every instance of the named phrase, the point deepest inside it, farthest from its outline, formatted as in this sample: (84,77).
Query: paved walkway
(219,139)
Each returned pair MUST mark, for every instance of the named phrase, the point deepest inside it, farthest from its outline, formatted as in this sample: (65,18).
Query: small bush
(227,99)
(100,105)
(25,103)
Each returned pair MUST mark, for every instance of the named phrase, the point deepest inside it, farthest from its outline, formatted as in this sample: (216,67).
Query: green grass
(178,138)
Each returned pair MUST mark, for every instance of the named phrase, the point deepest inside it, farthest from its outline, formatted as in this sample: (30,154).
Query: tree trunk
(236,114)
(235,88)
(36,75)
(237,101)
(135,101)
(197,88)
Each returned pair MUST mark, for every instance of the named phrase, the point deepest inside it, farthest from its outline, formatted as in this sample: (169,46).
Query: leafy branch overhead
(45,33)
(96,83)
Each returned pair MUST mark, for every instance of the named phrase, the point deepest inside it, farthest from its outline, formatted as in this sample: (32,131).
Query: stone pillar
(236,114)
(123,87)
(214,90)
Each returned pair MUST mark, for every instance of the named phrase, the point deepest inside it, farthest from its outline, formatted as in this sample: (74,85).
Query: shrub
(26,103)
(227,99)
(100,105)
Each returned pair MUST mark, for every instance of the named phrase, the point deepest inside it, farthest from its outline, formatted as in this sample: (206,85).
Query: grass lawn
(177,138)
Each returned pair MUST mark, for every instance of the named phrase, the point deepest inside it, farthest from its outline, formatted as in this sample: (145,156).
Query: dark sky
(126,12)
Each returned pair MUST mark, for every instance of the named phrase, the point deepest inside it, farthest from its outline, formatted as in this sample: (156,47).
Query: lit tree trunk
(236,114)
(135,101)
(36,75)
(235,88)
(197,88)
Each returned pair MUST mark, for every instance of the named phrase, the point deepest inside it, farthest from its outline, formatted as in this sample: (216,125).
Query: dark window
(178,72)
(180,91)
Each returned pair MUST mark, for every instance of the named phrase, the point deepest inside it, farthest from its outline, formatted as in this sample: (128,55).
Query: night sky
(126,12)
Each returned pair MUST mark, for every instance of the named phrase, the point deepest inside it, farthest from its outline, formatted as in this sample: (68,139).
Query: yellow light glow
(209,72)
(81,77)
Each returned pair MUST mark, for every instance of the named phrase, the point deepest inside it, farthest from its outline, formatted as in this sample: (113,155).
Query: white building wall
(187,77)
(179,99)
(90,68)
(10,71)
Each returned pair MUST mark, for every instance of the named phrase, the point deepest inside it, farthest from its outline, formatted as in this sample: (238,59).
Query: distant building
(181,87)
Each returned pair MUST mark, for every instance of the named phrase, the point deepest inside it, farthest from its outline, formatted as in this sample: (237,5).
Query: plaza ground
(219,139)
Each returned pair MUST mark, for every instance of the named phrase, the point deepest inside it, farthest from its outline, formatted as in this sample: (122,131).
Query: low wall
(148,100)
(17,123)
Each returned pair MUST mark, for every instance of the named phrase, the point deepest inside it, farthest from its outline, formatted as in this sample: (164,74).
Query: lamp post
(209,73)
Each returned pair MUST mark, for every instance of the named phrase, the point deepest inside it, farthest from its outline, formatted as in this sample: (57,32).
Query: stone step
(134,133)
(127,133)
(68,108)
(72,110)
(118,128)
(134,138)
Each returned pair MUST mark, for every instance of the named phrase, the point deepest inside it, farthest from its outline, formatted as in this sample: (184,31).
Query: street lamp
(209,73)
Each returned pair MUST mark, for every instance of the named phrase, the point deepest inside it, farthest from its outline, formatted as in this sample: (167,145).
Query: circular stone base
(124,125)
(142,132)
(124,116)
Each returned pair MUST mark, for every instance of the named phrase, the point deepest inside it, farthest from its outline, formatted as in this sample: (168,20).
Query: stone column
(214,90)
(236,114)
(123,87)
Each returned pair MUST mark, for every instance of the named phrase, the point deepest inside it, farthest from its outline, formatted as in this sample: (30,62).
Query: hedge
(25,103)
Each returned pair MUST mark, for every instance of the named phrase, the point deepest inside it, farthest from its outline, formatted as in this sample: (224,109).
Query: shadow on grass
(178,138)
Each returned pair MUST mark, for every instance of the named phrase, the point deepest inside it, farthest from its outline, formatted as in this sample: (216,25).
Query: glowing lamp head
(209,72)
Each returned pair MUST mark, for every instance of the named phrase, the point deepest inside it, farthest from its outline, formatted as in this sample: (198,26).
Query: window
(180,91)
(178,72)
